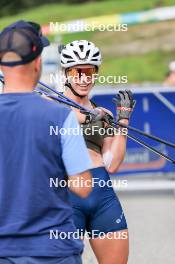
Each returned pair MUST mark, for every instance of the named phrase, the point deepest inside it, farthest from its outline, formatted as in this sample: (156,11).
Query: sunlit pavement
(151,221)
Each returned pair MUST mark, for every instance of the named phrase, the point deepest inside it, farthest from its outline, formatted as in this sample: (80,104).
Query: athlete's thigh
(109,216)
(112,249)
(110,238)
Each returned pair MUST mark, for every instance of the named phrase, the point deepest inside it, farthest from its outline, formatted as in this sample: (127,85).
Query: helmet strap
(73,91)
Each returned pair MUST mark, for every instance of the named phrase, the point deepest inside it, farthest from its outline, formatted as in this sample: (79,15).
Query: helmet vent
(96,54)
(67,56)
(87,53)
(76,53)
(81,47)
(70,61)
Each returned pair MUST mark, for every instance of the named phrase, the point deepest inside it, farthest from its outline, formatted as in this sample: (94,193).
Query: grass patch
(151,67)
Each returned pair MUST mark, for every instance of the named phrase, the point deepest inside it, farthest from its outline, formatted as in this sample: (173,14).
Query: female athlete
(100,214)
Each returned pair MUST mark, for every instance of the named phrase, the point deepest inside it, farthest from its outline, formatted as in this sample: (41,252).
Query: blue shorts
(101,211)
(41,260)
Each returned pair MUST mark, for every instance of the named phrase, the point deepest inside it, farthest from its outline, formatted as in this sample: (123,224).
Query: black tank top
(94,134)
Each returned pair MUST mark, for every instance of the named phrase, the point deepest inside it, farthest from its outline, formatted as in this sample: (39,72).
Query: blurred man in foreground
(31,209)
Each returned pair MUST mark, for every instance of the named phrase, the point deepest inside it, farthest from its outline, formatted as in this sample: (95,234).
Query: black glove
(108,118)
(95,115)
(124,104)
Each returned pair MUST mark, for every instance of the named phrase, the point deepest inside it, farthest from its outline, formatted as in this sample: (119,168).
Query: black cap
(23,38)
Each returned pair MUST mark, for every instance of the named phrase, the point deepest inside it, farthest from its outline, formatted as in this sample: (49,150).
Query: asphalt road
(151,221)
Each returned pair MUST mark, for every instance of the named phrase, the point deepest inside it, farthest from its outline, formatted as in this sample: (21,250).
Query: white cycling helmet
(80,52)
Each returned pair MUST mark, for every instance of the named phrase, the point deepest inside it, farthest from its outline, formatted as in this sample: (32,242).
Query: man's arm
(76,157)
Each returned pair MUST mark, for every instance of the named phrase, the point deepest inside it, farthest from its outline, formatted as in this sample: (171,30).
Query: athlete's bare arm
(115,147)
